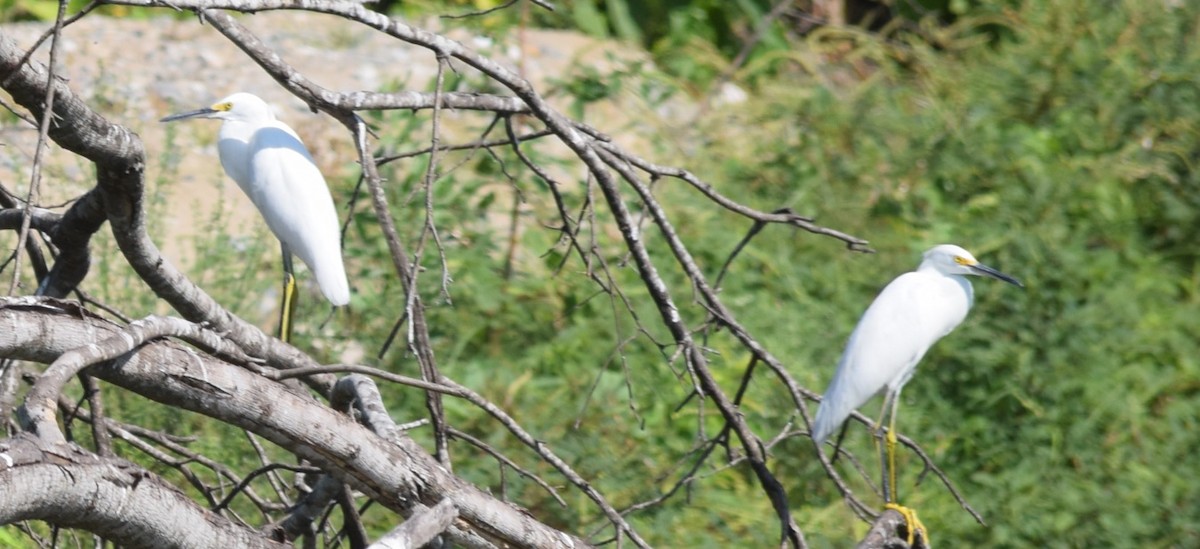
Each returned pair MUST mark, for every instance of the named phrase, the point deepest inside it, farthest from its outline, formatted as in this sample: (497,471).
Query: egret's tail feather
(333,283)
(828,420)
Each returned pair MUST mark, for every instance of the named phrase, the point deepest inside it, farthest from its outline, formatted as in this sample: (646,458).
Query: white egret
(909,315)
(272,166)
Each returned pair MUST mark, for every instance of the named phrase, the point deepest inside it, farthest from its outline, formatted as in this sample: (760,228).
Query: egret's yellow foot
(914,526)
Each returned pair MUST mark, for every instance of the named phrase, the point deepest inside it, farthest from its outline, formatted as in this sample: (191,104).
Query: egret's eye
(222,106)
(962,260)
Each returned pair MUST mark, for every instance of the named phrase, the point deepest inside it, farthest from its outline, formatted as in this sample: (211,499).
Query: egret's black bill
(984,270)
(190,114)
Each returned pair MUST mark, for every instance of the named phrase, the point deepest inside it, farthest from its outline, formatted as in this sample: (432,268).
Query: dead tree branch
(397,473)
(71,487)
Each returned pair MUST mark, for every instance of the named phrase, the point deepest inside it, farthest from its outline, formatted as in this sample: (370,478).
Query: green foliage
(19,10)
(1062,153)
(692,40)
(1061,150)
(10,538)
(47,10)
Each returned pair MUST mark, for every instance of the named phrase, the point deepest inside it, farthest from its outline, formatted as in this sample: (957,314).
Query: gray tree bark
(890,531)
(394,471)
(69,486)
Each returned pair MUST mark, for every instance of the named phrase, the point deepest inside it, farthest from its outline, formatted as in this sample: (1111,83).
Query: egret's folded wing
(891,337)
(292,196)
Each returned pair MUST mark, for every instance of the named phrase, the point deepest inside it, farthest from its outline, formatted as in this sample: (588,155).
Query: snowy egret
(272,166)
(909,315)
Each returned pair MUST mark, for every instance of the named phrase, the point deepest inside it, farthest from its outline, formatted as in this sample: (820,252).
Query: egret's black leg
(837,446)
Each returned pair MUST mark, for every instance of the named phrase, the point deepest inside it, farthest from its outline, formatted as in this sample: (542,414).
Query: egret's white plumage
(909,315)
(272,166)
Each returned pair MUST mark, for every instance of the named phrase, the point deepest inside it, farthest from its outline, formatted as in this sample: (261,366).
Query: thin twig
(267,469)
(35,177)
(505,461)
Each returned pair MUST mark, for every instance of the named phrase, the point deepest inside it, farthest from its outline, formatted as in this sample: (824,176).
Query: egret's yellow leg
(891,459)
(882,448)
(890,495)
(289,298)
(289,306)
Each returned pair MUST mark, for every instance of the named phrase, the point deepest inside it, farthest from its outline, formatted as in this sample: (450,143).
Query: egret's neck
(928,268)
(233,144)
(236,130)
(965,284)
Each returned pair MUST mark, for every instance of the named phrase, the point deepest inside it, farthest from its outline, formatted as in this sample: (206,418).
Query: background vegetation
(1056,140)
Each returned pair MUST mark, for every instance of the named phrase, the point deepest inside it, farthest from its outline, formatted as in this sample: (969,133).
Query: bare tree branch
(113,498)
(397,473)
(890,531)
(419,529)
(35,177)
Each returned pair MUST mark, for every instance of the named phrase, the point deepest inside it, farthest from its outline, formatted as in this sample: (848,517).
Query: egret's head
(953,260)
(241,107)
